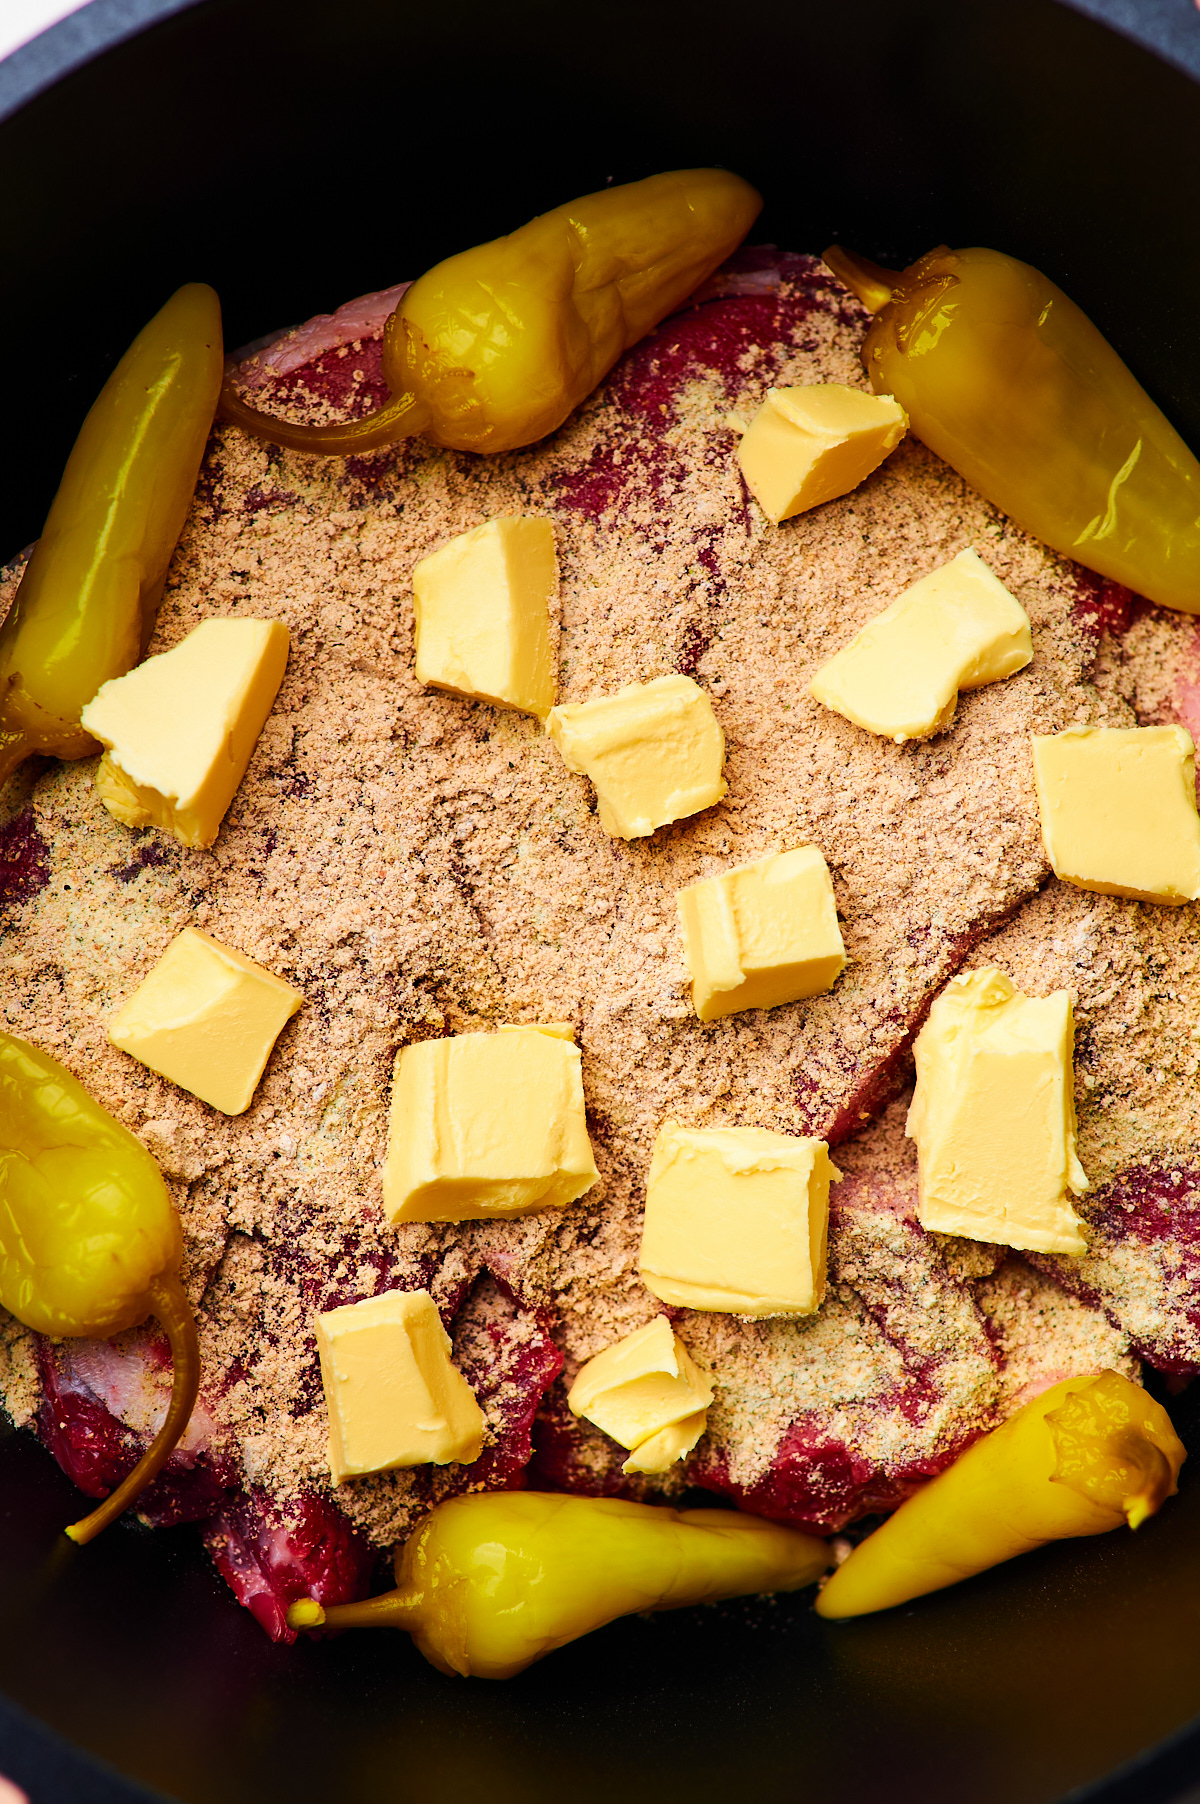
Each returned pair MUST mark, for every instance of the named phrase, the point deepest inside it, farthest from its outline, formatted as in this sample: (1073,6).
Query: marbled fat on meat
(88,1394)
(419,865)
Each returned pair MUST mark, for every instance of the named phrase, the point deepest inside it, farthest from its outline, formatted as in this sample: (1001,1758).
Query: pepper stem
(175,1314)
(869,281)
(391,1609)
(401,417)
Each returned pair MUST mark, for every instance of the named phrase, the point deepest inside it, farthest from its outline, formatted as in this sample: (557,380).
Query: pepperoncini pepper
(494,347)
(1085,1456)
(89,1237)
(86,604)
(1008,381)
(490,1583)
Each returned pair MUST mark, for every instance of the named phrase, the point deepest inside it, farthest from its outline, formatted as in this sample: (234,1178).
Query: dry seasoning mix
(420,865)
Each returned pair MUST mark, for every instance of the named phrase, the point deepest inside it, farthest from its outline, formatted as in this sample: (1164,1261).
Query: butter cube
(993,1116)
(648,1393)
(395,1397)
(661,1450)
(1118,809)
(809,445)
(487,1125)
(761,934)
(206,1018)
(653,751)
(737,1220)
(180,729)
(957,628)
(483,614)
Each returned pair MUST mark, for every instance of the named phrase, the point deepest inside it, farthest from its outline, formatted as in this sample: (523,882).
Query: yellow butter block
(809,445)
(395,1396)
(661,1450)
(653,751)
(761,934)
(648,1393)
(487,1125)
(1118,809)
(993,1116)
(179,730)
(958,628)
(737,1220)
(206,1018)
(483,614)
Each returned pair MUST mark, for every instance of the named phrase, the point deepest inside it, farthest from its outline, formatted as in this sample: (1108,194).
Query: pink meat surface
(359,321)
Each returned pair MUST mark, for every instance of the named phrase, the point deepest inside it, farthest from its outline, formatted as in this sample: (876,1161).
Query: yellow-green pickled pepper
(86,604)
(89,1237)
(490,1583)
(1084,1457)
(1008,381)
(494,347)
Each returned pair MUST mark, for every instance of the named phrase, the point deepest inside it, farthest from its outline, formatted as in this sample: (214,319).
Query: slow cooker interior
(295,154)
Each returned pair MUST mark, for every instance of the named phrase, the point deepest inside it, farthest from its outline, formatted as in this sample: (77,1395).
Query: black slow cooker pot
(295,153)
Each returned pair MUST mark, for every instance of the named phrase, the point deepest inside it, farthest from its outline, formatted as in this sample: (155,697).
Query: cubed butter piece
(1118,809)
(761,934)
(395,1396)
(648,1393)
(180,729)
(957,628)
(809,445)
(993,1116)
(487,1125)
(661,1450)
(653,751)
(737,1220)
(483,614)
(206,1018)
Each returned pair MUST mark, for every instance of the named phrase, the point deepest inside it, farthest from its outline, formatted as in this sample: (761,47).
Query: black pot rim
(66,46)
(1166,27)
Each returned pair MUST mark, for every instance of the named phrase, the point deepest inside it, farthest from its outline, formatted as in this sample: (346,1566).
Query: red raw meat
(814,1482)
(273,1554)
(1150,1215)
(84,1383)
(505,1351)
(24,860)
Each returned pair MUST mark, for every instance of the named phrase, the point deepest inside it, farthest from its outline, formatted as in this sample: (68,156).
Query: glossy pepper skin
(1084,1457)
(89,1237)
(86,604)
(1013,386)
(493,348)
(490,1583)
